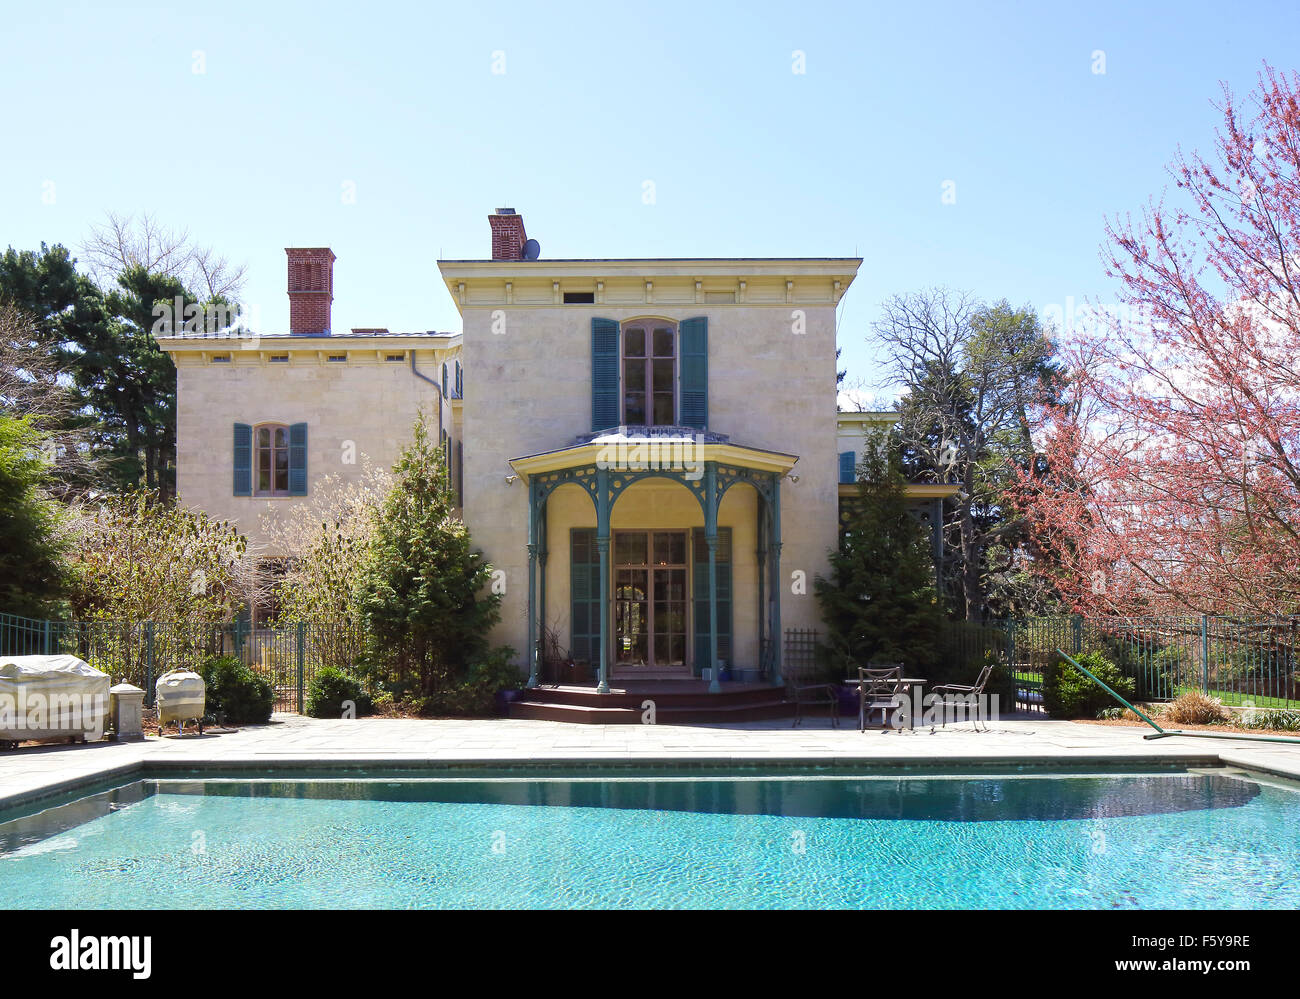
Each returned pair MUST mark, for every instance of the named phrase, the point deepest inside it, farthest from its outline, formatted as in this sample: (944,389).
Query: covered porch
(664,572)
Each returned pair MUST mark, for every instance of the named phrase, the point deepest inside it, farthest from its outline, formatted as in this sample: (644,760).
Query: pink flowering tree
(1170,479)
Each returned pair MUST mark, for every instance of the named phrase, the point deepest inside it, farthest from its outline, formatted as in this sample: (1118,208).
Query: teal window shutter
(584,595)
(298,459)
(605,407)
(444,379)
(460,383)
(693,401)
(243,459)
(700,596)
(848,467)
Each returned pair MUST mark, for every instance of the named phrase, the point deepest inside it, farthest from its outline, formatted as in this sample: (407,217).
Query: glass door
(650,600)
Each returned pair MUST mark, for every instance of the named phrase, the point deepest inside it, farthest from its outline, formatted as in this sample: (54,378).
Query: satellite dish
(532,249)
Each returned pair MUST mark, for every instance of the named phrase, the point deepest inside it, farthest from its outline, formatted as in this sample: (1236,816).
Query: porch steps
(676,703)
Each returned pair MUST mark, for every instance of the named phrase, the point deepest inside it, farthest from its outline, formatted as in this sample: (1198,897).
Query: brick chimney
(508,236)
(311,289)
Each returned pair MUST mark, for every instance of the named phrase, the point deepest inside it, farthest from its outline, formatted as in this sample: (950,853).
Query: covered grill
(51,697)
(181,695)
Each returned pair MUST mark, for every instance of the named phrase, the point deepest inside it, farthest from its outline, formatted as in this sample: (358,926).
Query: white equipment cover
(48,697)
(182,695)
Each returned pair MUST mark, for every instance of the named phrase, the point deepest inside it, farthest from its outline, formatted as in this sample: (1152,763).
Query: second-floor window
(271,447)
(649,373)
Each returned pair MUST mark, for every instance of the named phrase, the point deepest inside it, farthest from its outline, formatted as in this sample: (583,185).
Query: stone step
(590,714)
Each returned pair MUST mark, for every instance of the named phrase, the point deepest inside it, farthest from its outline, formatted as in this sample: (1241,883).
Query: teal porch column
(534,499)
(711,541)
(602,549)
(774,561)
(760,556)
(542,552)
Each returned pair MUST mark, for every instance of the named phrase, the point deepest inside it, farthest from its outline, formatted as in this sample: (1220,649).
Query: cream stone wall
(853,428)
(771,385)
(364,406)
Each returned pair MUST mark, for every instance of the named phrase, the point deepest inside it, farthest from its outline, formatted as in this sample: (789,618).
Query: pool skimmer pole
(1161,733)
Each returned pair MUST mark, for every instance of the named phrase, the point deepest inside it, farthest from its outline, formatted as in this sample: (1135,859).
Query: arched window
(649,372)
(271,457)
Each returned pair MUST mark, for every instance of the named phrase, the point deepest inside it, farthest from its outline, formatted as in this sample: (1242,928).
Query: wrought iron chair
(975,690)
(880,685)
(804,684)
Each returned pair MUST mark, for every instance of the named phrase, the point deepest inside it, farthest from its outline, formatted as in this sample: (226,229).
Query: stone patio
(293,741)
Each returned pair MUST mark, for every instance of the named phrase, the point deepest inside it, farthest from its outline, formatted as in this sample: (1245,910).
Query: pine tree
(32,572)
(879,602)
(422,592)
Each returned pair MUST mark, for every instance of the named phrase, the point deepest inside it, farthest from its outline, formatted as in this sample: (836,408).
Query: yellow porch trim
(589,454)
(915,490)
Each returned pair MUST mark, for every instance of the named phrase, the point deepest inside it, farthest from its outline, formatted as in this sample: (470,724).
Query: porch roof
(667,449)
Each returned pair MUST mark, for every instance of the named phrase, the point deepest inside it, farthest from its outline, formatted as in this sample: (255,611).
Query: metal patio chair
(976,689)
(804,684)
(880,686)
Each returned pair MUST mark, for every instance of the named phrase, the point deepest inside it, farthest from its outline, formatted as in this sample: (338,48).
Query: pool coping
(557,766)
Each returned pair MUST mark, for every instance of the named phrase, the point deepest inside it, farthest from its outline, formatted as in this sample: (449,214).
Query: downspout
(436,384)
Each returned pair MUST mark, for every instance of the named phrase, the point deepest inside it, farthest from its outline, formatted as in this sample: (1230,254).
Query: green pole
(148,662)
(1090,676)
(1160,733)
(302,636)
(1205,653)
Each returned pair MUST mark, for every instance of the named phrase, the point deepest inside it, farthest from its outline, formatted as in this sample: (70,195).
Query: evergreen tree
(32,575)
(879,602)
(422,588)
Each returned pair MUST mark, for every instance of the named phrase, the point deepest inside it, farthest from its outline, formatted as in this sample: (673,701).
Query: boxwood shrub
(235,693)
(329,688)
(1067,693)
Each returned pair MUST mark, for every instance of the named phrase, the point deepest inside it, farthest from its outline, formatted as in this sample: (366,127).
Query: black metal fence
(1239,660)
(288,656)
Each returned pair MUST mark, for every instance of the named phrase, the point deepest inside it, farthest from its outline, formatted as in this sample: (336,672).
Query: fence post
(148,662)
(1205,653)
(47,637)
(1076,625)
(302,635)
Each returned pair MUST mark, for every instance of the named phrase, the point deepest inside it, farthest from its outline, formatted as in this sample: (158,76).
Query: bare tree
(971,372)
(124,241)
(34,384)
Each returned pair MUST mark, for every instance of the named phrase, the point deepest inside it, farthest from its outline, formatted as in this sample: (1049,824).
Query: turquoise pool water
(1191,840)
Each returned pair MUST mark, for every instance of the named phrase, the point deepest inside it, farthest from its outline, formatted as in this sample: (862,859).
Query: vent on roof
(369,331)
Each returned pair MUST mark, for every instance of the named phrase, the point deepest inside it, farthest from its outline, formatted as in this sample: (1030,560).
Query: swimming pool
(1195,839)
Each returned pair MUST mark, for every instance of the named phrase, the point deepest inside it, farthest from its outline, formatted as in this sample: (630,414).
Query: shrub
(423,590)
(476,695)
(1067,693)
(329,688)
(1196,708)
(236,693)
(1272,719)
(879,601)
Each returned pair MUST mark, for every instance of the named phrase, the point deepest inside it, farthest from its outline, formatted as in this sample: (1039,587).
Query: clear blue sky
(747,157)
